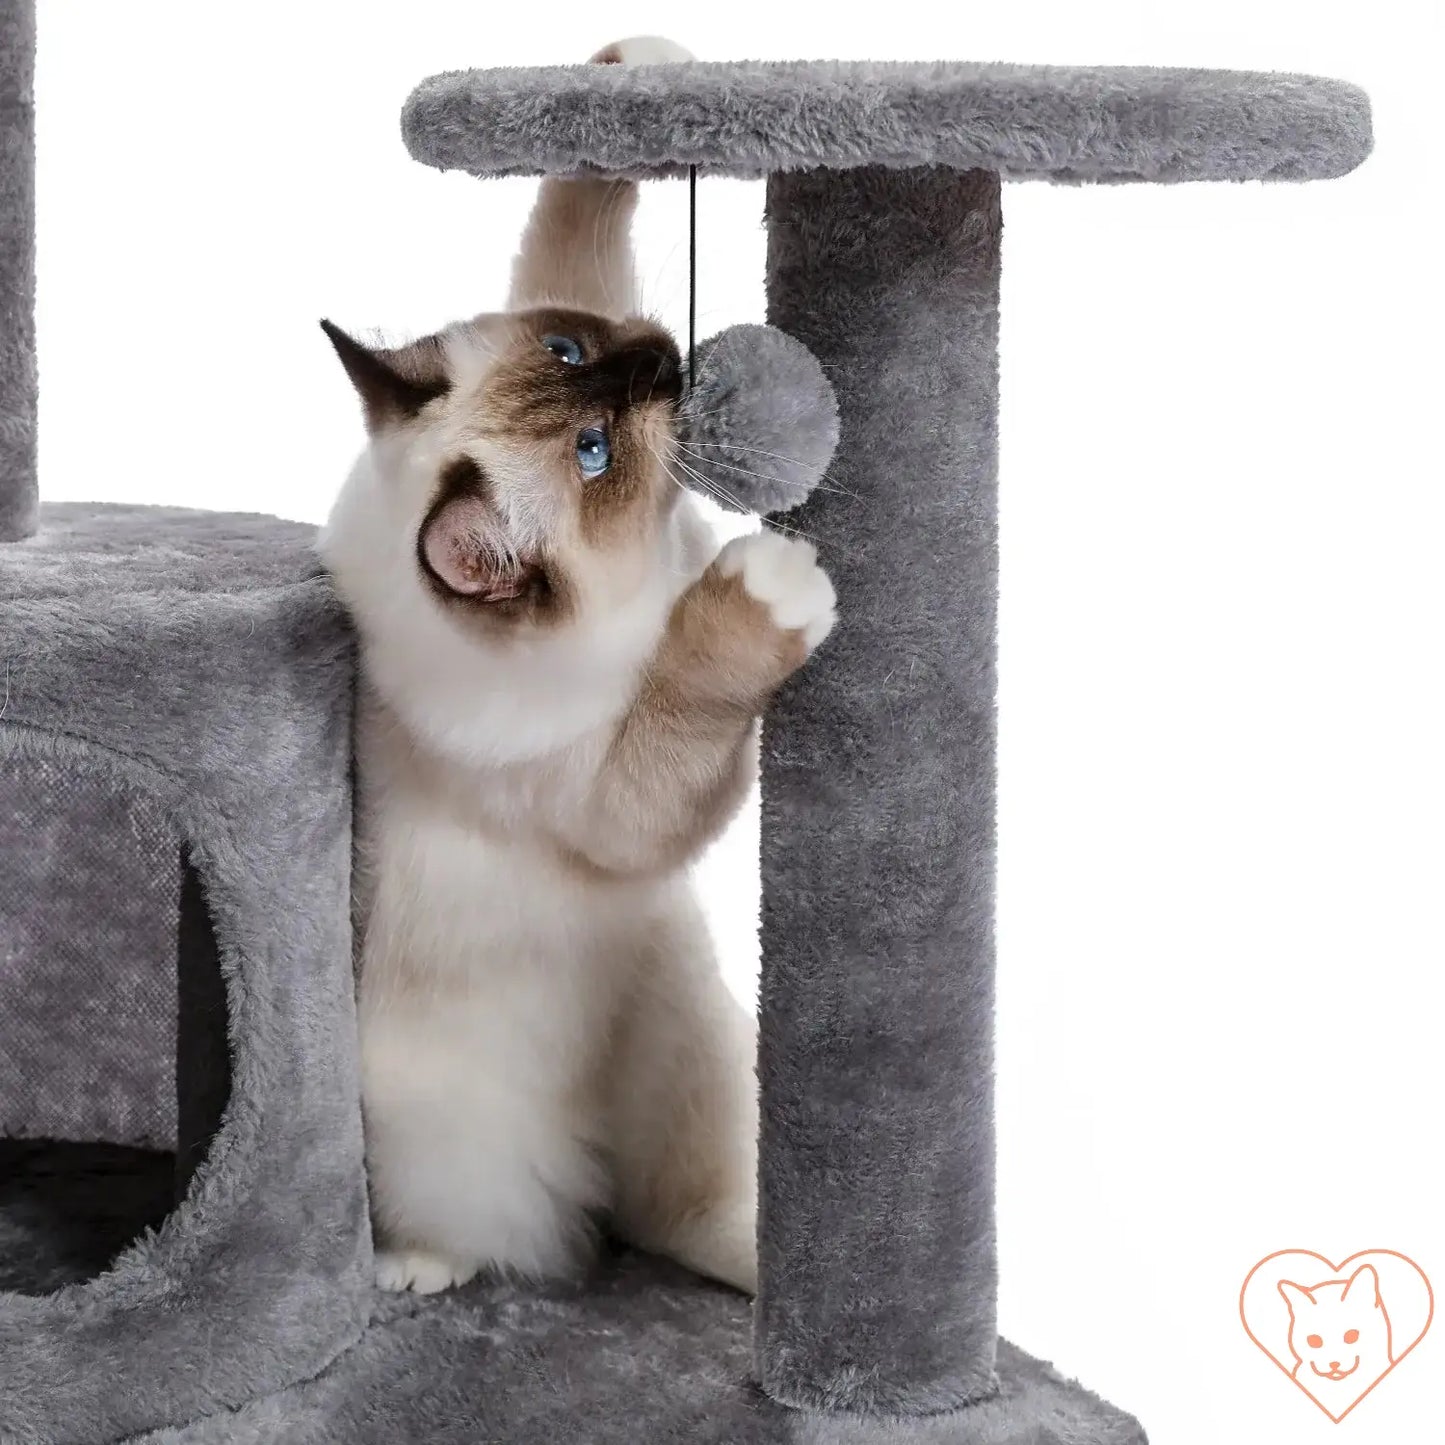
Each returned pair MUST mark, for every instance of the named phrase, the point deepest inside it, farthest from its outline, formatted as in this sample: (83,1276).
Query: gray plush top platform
(748,118)
(90,551)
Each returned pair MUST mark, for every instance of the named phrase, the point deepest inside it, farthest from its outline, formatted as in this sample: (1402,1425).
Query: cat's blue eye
(594,452)
(564,349)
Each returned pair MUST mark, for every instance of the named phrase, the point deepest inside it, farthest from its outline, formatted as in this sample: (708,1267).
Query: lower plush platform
(641,1351)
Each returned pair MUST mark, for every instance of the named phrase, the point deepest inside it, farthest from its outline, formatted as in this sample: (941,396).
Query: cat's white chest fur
(510,940)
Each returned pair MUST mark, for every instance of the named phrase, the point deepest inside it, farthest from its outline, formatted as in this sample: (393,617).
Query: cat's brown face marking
(544,434)
(627,383)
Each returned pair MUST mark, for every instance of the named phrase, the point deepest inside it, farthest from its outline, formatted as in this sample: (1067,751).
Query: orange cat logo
(1336,1329)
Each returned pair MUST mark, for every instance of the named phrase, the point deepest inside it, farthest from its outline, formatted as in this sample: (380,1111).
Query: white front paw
(783,574)
(419,1271)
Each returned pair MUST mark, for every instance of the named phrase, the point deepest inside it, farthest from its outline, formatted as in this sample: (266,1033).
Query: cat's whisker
(712,488)
(735,447)
(690,413)
(820,485)
(667,470)
(832,548)
(649,289)
(605,268)
(775,523)
(705,487)
(681,485)
(597,253)
(726,467)
(708,489)
(704,360)
(763,452)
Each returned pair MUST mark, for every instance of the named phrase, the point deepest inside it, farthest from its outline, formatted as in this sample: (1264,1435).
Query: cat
(1339,1335)
(561,678)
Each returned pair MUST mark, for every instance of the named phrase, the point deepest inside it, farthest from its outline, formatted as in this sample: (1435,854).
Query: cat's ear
(393,385)
(463,547)
(1363,1287)
(1296,1296)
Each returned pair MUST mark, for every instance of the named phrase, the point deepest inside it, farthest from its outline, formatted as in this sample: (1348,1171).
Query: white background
(1222,793)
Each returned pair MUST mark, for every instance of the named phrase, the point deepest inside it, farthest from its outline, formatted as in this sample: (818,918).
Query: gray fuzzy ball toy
(759,425)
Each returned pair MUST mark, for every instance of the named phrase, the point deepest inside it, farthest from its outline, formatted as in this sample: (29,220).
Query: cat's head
(517,464)
(1339,1327)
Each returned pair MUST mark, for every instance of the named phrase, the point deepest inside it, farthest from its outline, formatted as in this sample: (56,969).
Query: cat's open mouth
(1336,1373)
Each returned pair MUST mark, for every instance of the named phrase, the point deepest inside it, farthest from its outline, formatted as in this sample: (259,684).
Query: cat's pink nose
(1334,1364)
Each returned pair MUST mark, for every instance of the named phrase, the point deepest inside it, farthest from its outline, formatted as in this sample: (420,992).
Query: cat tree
(174,737)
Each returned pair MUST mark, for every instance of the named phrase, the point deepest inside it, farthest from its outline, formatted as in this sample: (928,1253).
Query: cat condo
(184,1245)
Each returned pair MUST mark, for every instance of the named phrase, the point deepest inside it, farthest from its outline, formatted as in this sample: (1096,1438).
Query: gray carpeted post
(17,270)
(877,1259)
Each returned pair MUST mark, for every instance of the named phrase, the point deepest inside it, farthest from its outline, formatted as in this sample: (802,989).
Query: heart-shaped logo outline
(1337,1270)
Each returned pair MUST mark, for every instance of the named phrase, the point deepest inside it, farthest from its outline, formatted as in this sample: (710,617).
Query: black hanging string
(691,277)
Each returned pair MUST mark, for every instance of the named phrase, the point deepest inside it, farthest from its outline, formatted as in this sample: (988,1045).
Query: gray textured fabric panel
(89,893)
(227,706)
(1027,122)
(876,1250)
(17,269)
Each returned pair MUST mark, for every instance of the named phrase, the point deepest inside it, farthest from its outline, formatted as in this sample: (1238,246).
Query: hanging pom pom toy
(759,422)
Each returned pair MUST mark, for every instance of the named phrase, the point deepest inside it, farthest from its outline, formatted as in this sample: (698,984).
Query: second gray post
(17,270)
(876,1234)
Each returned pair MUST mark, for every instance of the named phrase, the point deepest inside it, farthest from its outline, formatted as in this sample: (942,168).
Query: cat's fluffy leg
(576,251)
(469,1167)
(685,1110)
(577,248)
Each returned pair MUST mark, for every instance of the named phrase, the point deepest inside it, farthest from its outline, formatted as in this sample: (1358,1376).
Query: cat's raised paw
(419,1271)
(783,574)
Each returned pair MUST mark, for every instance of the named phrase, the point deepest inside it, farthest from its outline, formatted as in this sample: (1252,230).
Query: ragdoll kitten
(1339,1335)
(560,687)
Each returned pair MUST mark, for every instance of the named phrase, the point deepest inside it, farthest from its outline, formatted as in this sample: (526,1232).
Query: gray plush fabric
(199,662)
(643,1354)
(760,424)
(87,994)
(876,1253)
(641,1351)
(1027,122)
(17,269)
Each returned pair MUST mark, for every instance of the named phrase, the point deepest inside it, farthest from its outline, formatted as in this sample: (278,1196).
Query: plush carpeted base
(642,1351)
